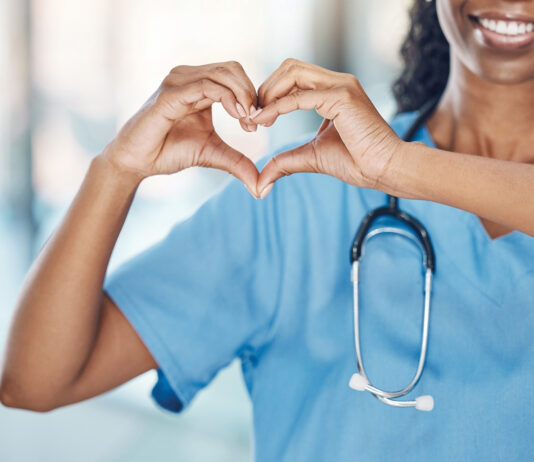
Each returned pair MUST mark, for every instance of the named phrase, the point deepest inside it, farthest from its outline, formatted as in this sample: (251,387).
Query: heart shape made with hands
(354,143)
(300,159)
(174,128)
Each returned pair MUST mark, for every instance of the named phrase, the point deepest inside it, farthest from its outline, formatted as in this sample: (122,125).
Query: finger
(224,157)
(227,73)
(299,159)
(323,127)
(221,76)
(267,83)
(243,77)
(248,127)
(244,126)
(282,69)
(169,104)
(206,103)
(300,74)
(294,78)
(323,101)
(202,104)
(174,103)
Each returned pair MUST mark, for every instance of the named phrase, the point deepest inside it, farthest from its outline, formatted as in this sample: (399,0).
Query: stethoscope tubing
(421,239)
(426,317)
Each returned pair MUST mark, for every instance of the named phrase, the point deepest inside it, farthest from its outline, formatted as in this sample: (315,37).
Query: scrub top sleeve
(204,294)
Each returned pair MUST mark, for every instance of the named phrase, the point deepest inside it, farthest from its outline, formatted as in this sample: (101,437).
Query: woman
(268,281)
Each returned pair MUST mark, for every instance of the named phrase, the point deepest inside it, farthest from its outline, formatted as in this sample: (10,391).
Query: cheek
(489,64)
(455,26)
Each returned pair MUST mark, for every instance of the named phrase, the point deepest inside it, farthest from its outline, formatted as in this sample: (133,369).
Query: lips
(503,32)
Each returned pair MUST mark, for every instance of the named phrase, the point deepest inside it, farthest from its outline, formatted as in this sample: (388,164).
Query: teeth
(501,27)
(506,27)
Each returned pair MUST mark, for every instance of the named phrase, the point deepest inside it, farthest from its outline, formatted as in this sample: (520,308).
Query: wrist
(108,165)
(385,164)
(111,172)
(403,170)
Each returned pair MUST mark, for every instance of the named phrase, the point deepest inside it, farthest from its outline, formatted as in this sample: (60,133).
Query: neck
(476,116)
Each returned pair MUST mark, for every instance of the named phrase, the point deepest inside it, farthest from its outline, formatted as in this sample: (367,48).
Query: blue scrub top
(269,282)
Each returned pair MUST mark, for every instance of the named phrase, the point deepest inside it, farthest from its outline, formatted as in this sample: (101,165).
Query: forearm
(498,190)
(57,313)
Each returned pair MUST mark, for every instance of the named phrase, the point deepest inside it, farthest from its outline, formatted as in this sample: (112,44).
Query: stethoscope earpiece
(422,403)
(358,382)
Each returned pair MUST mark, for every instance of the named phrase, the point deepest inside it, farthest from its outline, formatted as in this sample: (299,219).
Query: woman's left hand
(354,142)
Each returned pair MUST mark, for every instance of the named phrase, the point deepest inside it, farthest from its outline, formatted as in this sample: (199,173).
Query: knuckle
(292,70)
(167,82)
(293,98)
(353,81)
(245,96)
(288,62)
(204,84)
(236,161)
(345,92)
(162,101)
(180,69)
(233,64)
(278,166)
(220,69)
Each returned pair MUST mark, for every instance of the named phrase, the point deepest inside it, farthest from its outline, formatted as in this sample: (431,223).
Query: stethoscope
(420,237)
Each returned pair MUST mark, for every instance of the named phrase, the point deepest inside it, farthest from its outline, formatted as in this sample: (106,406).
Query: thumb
(237,164)
(300,159)
(323,127)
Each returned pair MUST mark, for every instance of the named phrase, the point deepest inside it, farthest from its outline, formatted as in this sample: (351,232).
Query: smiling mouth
(503,33)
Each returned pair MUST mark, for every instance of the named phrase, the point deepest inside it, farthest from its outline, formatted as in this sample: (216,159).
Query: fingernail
(255,113)
(252,127)
(266,190)
(252,109)
(240,109)
(251,193)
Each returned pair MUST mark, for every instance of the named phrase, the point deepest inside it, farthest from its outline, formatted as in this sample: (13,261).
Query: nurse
(268,280)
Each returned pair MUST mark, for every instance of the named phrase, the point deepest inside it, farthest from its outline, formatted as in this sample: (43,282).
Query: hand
(174,130)
(354,143)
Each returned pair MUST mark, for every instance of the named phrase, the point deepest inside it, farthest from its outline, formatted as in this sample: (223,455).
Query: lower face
(494,39)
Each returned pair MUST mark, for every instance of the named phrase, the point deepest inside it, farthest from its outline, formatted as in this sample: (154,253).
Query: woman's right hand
(173,130)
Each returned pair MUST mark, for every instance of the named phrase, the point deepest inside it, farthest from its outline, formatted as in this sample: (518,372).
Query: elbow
(17,400)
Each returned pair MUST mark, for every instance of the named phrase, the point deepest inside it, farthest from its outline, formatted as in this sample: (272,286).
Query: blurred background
(71,74)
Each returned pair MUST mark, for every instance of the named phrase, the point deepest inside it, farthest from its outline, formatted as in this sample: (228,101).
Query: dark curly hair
(425,56)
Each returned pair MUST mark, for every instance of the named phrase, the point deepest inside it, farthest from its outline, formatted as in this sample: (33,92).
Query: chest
(480,360)
(474,332)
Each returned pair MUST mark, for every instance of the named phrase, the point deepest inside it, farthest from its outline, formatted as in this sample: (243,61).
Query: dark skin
(467,119)
(69,341)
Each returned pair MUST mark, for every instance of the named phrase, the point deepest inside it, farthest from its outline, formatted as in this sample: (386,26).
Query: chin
(503,73)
